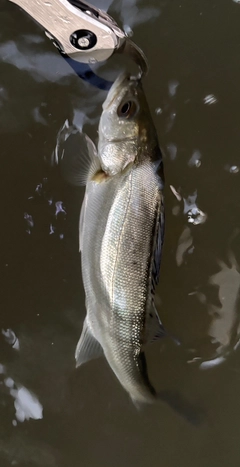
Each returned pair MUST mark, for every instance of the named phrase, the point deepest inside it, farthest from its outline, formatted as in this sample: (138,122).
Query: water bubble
(195,160)
(234,169)
(38,117)
(26,404)
(38,189)
(210,99)
(51,229)
(59,208)
(172,88)
(176,210)
(190,202)
(92,60)
(128,30)
(11,338)
(28,219)
(171,120)
(196,216)
(9,383)
(172,149)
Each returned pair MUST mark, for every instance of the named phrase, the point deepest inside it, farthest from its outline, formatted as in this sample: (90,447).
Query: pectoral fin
(76,155)
(88,348)
(79,161)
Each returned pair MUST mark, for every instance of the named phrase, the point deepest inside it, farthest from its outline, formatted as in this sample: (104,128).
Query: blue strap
(84,72)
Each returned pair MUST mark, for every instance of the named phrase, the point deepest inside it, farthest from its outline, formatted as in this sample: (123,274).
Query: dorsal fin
(88,348)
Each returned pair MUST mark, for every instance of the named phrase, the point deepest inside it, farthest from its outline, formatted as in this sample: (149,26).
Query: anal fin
(154,328)
(88,348)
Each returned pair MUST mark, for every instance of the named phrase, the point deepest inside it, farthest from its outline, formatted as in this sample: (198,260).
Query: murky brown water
(52,415)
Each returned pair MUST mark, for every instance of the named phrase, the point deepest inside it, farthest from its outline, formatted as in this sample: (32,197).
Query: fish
(121,235)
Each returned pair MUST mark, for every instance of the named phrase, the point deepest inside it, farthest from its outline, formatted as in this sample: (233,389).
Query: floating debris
(210,99)
(158,111)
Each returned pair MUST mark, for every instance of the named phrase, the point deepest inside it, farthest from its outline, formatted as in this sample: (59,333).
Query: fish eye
(127,109)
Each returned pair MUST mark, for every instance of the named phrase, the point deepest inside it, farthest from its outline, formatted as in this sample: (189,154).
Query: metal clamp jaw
(81,31)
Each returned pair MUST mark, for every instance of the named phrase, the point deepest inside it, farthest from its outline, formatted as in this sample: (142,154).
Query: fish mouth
(122,80)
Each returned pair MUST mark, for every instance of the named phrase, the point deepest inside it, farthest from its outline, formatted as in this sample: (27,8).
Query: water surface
(51,414)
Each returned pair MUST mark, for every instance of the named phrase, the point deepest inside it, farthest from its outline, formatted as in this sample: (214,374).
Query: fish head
(126,129)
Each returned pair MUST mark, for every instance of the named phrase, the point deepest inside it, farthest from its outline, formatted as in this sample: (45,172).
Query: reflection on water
(224,329)
(11,338)
(52,414)
(26,404)
(210,99)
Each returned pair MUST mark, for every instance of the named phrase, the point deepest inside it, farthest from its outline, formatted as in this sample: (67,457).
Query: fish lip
(115,88)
